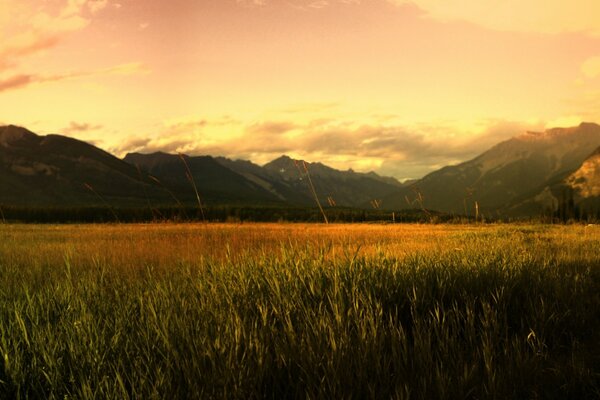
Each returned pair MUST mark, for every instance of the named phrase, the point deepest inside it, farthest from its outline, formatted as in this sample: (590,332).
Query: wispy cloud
(15,82)
(252,3)
(542,16)
(591,67)
(80,127)
(28,29)
(270,128)
(23,80)
(298,4)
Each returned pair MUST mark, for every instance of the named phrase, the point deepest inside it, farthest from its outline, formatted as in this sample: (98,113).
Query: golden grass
(166,244)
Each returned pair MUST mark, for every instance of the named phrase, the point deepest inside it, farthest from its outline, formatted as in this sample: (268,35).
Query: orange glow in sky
(393,86)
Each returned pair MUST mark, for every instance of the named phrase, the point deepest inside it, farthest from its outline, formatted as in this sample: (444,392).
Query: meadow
(244,311)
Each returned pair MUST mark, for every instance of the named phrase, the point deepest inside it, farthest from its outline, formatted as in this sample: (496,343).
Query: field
(299,311)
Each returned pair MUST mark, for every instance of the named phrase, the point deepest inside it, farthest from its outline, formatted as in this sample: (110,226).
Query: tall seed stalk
(314,192)
(181,207)
(145,191)
(419,199)
(112,210)
(190,178)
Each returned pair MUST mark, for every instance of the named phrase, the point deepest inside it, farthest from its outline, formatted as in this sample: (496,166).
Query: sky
(398,87)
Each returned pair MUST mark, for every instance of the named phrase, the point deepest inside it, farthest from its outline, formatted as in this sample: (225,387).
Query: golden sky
(399,87)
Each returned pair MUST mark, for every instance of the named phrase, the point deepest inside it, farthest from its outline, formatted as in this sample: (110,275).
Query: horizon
(396,87)
(310,161)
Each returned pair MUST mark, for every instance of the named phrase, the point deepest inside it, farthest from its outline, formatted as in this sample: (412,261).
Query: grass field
(300,311)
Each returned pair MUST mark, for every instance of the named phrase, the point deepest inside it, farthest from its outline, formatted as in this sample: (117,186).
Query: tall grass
(190,178)
(312,189)
(296,311)
(103,200)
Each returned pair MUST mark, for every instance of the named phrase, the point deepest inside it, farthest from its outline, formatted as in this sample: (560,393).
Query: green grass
(299,312)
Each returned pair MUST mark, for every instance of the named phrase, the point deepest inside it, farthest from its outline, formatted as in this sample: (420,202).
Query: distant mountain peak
(13,133)
(283,160)
(284,164)
(552,134)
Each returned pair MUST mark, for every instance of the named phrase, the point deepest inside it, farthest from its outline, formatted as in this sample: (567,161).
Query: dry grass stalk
(112,210)
(419,199)
(145,191)
(376,204)
(156,180)
(190,178)
(314,192)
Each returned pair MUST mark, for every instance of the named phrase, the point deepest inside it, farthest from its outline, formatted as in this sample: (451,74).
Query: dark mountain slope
(508,171)
(269,181)
(346,188)
(215,183)
(582,186)
(59,171)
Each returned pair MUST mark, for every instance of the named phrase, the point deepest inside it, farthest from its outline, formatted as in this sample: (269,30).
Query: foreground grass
(299,311)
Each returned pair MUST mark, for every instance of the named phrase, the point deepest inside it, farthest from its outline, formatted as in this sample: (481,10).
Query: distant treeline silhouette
(100,214)
(567,211)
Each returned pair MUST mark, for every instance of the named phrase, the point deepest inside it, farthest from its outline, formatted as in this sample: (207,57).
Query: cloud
(591,67)
(298,4)
(97,5)
(76,127)
(23,45)
(542,16)
(310,108)
(15,82)
(252,3)
(132,68)
(146,145)
(270,128)
(23,80)
(134,144)
(185,125)
(26,29)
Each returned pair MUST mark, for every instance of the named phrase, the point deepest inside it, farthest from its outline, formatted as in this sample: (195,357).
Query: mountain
(581,187)
(55,170)
(504,178)
(343,188)
(268,180)
(523,176)
(214,182)
(282,181)
(586,180)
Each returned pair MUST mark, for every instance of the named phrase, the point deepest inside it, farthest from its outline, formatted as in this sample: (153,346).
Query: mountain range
(522,176)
